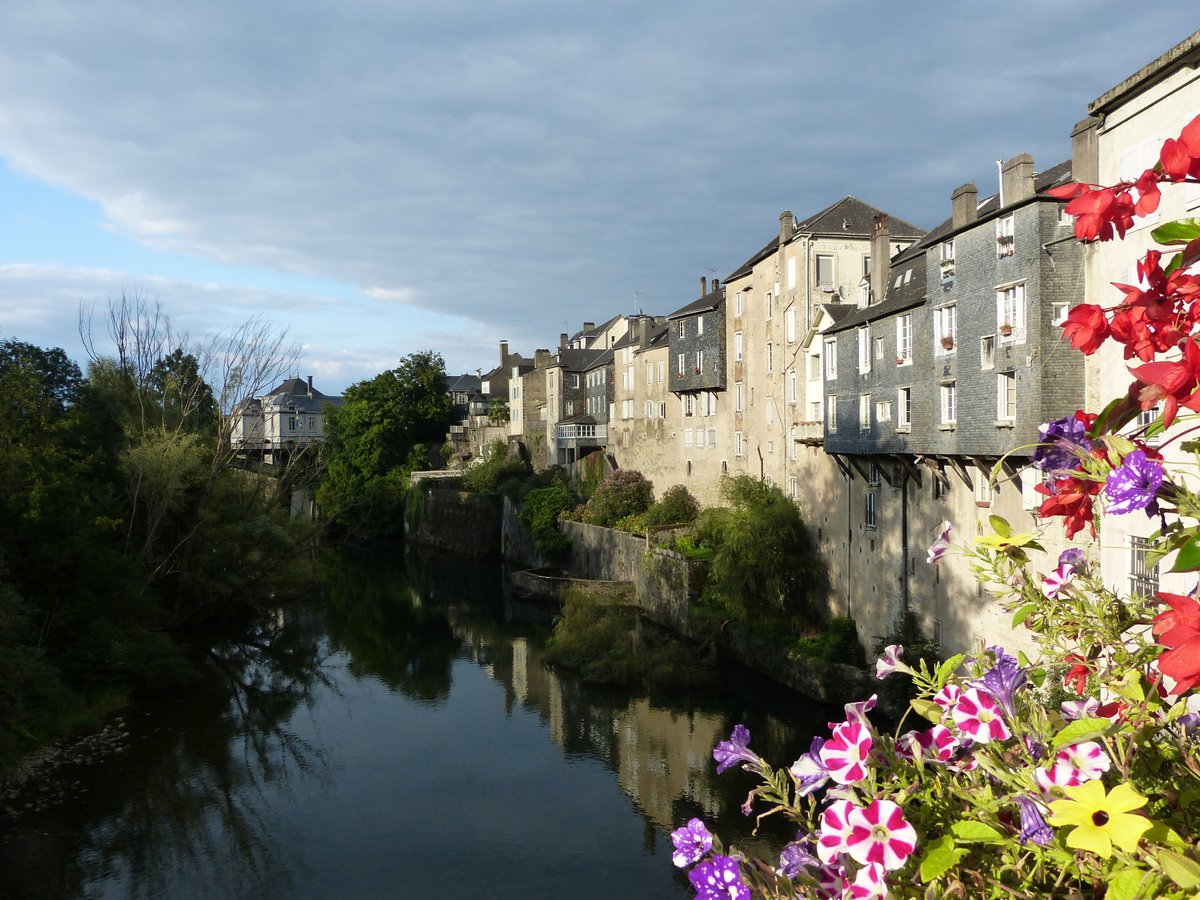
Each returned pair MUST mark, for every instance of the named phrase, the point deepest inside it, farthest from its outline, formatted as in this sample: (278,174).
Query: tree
(379,435)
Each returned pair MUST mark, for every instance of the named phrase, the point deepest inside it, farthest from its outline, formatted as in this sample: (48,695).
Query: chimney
(1085,164)
(881,259)
(504,354)
(703,286)
(716,285)
(1016,178)
(588,326)
(787,227)
(643,333)
(541,358)
(562,340)
(309,387)
(964,205)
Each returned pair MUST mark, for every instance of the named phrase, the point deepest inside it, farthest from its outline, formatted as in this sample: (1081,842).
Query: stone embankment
(36,783)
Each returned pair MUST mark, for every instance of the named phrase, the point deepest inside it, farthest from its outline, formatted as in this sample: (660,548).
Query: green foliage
(837,643)
(498,411)
(631,524)
(625,492)
(676,507)
(607,646)
(689,547)
(765,566)
(497,473)
(589,473)
(376,438)
(539,512)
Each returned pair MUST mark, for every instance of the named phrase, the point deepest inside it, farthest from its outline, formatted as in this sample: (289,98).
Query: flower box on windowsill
(947,343)
(1005,330)
(899,360)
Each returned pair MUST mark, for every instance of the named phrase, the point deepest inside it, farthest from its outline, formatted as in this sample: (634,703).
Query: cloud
(390,295)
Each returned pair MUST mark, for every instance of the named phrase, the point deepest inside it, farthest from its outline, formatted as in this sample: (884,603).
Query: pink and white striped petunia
(978,717)
(881,835)
(845,754)
(890,662)
(869,884)
(947,698)
(1050,782)
(936,744)
(1057,580)
(857,711)
(835,828)
(831,882)
(1086,760)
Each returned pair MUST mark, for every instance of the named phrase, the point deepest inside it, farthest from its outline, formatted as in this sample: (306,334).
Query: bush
(540,512)
(625,492)
(676,507)
(497,473)
(837,643)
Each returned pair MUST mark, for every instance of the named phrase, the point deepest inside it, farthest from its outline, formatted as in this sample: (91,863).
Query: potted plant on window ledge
(947,342)
(1006,329)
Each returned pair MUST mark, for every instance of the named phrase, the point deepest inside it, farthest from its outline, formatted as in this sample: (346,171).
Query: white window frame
(737,346)
(1011,304)
(830,358)
(793,387)
(1006,396)
(831,413)
(683,328)
(904,407)
(883,410)
(830,280)
(945,325)
(739,444)
(904,339)
(864,349)
(700,324)
(789,324)
(680,366)
(948,394)
(987,352)
(770,357)
(738,397)
(869,509)
(699,362)
(1006,236)
(864,412)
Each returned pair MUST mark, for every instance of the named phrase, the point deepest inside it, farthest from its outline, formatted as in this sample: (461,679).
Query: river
(398,736)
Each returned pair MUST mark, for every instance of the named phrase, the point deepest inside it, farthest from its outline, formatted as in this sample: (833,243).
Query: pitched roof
(297,387)
(906,289)
(575,360)
(711,300)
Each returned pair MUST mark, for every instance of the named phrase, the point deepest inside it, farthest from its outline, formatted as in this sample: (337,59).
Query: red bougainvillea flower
(1086,328)
(1171,383)
(1178,629)
(1070,498)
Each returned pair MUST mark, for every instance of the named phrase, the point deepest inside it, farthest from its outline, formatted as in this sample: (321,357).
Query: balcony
(809,432)
(582,432)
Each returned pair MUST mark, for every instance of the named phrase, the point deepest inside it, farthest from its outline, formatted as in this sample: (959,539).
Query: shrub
(540,511)
(676,507)
(625,492)
(497,473)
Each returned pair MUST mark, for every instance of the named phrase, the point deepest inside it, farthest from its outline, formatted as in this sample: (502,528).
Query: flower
(1003,680)
(941,544)
(796,856)
(1080,709)
(880,834)
(1101,820)
(1085,761)
(845,754)
(831,882)
(1061,444)
(857,711)
(947,698)
(1077,675)
(978,717)
(1133,485)
(1070,498)
(835,827)
(1072,556)
(719,879)
(809,770)
(1033,825)
(1178,629)
(1057,580)
(936,744)
(890,662)
(736,750)
(868,884)
(1086,328)
(692,843)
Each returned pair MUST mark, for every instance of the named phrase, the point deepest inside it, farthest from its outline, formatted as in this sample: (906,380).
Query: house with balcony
(934,394)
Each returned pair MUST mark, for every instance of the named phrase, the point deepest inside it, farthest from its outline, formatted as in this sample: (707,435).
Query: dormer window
(1005,242)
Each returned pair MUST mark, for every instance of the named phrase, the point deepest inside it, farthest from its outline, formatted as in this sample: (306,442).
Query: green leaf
(946,669)
(1022,614)
(1000,525)
(1130,687)
(1081,730)
(1181,231)
(940,857)
(976,832)
(1161,833)
(1188,559)
(1125,885)
(928,709)
(1181,869)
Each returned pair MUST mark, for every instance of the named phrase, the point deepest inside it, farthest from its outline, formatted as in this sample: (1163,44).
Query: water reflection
(321,752)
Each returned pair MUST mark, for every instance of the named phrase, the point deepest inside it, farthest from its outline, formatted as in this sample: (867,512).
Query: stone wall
(454,520)
(602,553)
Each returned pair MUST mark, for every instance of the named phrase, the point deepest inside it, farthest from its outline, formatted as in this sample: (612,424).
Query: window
(869,510)
(1010,313)
(689,405)
(291,423)
(866,267)
(879,348)
(789,324)
(864,350)
(680,366)
(1059,312)
(1006,396)
(945,325)
(737,396)
(687,437)
(649,373)
(831,359)
(946,252)
(904,339)
(683,328)
(941,485)
(1004,236)
(700,324)
(904,407)
(987,352)
(793,387)
(769,412)
(573,380)
(662,372)
(662,409)
(825,271)
(874,475)
(983,488)
(883,411)
(737,346)
(739,444)
(770,357)
(949,398)
(699,362)
(794,488)
(795,443)
(814,366)
(831,413)
(737,303)
(770,304)
(864,412)
(1143,577)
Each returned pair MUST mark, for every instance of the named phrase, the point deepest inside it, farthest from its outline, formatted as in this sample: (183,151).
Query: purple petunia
(692,843)
(1133,485)
(1033,825)
(1060,445)
(719,879)
(797,856)
(810,770)
(736,750)
(1003,680)
(1072,556)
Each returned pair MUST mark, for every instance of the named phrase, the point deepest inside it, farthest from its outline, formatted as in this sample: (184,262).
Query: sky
(381,177)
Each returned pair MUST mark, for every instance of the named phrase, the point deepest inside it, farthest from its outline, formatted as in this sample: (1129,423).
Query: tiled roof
(711,300)
(906,289)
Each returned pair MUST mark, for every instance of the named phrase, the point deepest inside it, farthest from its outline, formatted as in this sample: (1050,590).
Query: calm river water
(399,737)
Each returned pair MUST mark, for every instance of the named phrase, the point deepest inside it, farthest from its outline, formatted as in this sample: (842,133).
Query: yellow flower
(1100,821)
